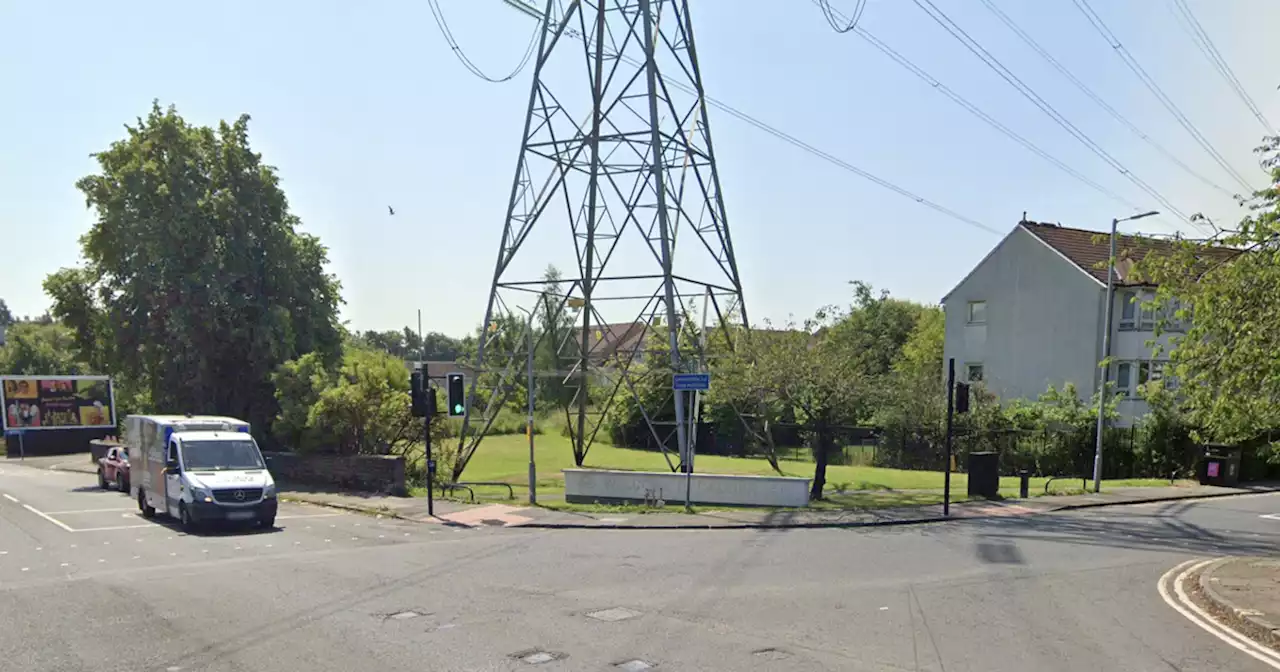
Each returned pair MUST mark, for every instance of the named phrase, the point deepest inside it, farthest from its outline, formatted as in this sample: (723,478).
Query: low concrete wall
(585,486)
(363,473)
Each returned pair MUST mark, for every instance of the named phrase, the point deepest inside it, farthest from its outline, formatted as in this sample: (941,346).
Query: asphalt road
(86,584)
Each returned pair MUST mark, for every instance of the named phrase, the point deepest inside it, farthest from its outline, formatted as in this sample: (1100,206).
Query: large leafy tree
(196,283)
(6,317)
(1228,361)
(33,348)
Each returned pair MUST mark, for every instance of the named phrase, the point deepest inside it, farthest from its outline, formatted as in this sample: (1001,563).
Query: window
(1127,376)
(1124,379)
(1128,308)
(974,372)
(977,312)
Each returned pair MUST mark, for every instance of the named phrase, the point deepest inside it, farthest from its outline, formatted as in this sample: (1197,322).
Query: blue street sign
(691,381)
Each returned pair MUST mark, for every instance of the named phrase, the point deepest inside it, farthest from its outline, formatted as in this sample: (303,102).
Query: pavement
(88,585)
(1244,593)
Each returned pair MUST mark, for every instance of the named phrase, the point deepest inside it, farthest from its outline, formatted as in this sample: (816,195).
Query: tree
(6,317)
(361,407)
(36,349)
(197,283)
(819,376)
(1225,363)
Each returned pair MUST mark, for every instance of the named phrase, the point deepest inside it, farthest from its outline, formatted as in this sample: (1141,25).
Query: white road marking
(1270,516)
(11,498)
(66,513)
(47,517)
(1183,605)
(310,515)
(112,528)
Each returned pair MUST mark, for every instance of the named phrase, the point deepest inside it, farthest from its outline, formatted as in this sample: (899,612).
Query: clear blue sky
(361,105)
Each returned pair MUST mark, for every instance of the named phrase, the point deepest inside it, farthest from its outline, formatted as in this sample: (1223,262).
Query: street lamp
(1106,346)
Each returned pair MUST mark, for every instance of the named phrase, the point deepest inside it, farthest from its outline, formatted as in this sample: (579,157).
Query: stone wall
(362,473)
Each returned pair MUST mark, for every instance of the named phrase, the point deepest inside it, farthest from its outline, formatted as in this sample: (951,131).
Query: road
(86,584)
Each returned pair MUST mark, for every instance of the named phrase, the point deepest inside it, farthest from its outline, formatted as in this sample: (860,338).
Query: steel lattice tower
(617,166)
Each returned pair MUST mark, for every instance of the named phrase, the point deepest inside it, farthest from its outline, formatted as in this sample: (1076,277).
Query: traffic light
(457,395)
(417,395)
(962,397)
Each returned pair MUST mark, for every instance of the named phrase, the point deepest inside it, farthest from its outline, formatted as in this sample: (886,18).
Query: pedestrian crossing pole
(951,403)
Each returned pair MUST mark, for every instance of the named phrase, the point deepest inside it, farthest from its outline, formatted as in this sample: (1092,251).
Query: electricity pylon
(618,167)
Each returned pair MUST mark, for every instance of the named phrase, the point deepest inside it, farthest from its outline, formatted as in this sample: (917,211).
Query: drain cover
(493,522)
(613,615)
(537,656)
(636,665)
(404,615)
(771,654)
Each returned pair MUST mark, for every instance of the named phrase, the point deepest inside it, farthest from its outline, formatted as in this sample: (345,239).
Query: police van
(198,469)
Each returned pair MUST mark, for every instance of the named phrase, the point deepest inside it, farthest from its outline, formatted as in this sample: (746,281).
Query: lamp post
(1106,346)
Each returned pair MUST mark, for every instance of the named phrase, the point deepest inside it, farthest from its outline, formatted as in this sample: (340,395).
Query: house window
(1128,376)
(977,312)
(974,373)
(1124,379)
(1128,310)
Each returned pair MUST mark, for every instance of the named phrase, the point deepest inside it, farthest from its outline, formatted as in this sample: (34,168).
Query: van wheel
(184,517)
(268,523)
(147,510)
(102,479)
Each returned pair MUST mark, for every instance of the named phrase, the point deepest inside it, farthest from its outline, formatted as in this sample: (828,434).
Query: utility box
(1220,465)
(984,475)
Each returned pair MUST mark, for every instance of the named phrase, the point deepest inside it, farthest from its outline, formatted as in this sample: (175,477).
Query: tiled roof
(1089,249)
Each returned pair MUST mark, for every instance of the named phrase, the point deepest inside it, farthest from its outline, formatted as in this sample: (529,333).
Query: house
(438,370)
(1030,315)
(607,343)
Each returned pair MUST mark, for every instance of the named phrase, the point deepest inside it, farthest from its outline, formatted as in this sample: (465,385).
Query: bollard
(1025,484)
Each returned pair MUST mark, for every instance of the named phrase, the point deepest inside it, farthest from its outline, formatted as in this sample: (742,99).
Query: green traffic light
(457,408)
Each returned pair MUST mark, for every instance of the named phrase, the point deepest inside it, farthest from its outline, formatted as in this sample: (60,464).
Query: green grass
(505,459)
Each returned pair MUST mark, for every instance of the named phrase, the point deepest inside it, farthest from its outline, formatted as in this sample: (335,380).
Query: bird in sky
(391,210)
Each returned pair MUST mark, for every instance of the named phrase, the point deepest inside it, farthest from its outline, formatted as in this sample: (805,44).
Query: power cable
(825,156)
(992,62)
(1031,42)
(831,15)
(978,112)
(443,25)
(1210,51)
(1132,64)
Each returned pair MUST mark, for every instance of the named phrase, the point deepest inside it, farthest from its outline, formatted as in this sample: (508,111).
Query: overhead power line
(992,62)
(841,25)
(977,111)
(1132,64)
(1031,42)
(1210,51)
(443,25)
(825,156)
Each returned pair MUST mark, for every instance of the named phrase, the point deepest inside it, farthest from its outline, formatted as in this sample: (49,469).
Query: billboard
(57,402)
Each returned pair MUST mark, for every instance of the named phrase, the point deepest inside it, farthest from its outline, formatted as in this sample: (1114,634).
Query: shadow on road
(1166,528)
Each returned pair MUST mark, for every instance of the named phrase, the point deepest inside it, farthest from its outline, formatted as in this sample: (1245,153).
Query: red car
(113,469)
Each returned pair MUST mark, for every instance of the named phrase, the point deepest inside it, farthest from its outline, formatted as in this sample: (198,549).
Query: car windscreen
(220,455)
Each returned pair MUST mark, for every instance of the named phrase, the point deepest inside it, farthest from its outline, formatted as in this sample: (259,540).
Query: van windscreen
(220,455)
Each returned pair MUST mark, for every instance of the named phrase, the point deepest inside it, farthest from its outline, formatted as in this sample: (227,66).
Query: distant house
(1030,315)
(438,370)
(607,343)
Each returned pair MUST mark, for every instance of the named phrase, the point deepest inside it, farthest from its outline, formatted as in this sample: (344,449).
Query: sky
(362,105)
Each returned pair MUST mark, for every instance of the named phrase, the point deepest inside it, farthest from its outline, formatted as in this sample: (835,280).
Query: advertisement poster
(57,402)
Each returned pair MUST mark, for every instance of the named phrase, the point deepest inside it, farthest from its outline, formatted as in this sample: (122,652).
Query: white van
(198,469)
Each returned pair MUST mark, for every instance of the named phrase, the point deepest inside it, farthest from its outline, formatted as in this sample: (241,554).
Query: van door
(172,481)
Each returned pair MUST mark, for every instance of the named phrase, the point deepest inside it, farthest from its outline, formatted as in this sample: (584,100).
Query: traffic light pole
(431,465)
(951,399)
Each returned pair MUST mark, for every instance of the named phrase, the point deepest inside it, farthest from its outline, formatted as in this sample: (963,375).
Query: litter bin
(1220,465)
(984,475)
